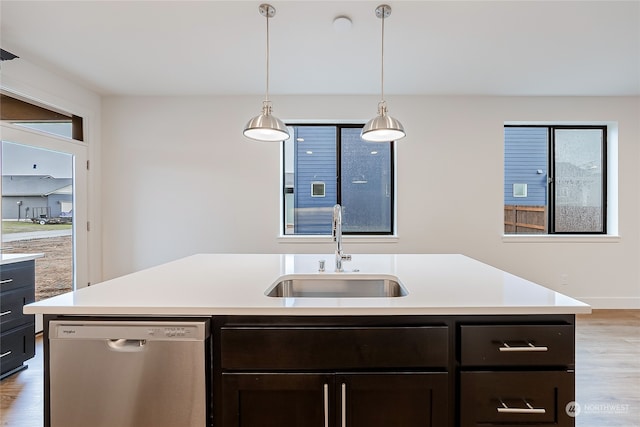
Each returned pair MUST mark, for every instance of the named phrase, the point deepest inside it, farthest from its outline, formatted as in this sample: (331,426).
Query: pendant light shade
(382,128)
(265,126)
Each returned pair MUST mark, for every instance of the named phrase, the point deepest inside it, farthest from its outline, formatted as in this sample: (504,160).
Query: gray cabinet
(17,330)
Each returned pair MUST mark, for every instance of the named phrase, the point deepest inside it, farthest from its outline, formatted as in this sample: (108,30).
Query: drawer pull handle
(528,347)
(2,282)
(5,313)
(344,405)
(5,354)
(326,405)
(528,410)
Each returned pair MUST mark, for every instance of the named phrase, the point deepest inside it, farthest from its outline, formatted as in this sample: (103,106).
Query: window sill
(555,238)
(345,239)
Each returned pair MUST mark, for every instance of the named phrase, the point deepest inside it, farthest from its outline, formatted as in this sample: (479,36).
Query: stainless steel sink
(337,287)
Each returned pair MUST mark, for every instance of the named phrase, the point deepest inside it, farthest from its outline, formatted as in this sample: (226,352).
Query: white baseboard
(629,303)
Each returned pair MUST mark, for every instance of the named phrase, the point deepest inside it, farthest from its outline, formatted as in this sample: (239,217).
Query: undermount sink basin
(337,287)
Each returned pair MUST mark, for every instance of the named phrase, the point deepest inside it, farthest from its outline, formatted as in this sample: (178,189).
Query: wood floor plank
(607,375)
(608,368)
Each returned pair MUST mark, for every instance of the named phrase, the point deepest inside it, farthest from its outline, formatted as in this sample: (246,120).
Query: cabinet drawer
(334,347)
(516,398)
(11,305)
(517,345)
(17,275)
(16,346)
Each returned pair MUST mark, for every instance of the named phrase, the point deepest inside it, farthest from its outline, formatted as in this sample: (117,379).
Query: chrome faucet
(337,237)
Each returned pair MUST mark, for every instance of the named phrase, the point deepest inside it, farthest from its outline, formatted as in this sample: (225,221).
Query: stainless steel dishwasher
(128,374)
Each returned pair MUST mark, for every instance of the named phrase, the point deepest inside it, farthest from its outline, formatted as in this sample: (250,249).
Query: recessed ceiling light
(342,24)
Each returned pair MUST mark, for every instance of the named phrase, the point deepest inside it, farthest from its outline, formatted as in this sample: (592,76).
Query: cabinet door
(392,399)
(276,400)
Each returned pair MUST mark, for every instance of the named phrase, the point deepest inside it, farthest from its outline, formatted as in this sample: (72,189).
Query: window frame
(392,179)
(551,170)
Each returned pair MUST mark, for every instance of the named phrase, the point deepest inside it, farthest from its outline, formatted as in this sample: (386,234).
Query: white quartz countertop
(13,258)
(228,284)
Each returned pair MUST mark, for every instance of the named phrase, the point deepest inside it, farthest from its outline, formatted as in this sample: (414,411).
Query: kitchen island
(465,343)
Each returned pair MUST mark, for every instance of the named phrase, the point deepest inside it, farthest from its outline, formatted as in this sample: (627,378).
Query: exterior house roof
(33,185)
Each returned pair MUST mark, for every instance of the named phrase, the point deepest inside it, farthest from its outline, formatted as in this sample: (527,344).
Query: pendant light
(382,128)
(265,126)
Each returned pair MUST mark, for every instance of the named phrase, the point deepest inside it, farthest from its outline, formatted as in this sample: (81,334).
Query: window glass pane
(63,129)
(365,184)
(37,213)
(578,180)
(525,166)
(310,163)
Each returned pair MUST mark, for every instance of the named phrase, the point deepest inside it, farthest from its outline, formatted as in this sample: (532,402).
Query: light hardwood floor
(607,375)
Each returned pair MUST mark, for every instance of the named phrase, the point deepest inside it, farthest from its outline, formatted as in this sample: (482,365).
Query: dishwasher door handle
(126,345)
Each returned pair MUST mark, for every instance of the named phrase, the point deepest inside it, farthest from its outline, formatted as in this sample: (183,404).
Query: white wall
(179,178)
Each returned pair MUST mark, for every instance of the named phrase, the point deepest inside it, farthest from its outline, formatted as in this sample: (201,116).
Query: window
(40,118)
(329,164)
(555,179)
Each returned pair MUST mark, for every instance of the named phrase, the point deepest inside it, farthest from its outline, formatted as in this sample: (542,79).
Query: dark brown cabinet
(516,375)
(334,373)
(276,400)
(17,330)
(408,399)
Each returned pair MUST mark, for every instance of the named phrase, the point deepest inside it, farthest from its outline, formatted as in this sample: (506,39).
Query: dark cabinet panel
(11,303)
(276,400)
(517,345)
(16,346)
(516,398)
(392,399)
(17,275)
(319,348)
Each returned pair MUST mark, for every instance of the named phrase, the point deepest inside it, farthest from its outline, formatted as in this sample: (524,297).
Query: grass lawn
(9,227)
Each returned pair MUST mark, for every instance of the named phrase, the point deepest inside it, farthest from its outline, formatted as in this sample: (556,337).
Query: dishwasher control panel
(170,331)
(150,331)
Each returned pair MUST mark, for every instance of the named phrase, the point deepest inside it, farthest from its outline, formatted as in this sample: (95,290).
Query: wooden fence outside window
(525,219)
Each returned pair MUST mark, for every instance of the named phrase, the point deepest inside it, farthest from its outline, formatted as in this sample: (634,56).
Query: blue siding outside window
(315,160)
(525,155)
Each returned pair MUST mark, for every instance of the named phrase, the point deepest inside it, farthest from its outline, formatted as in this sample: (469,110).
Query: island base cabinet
(334,400)
(516,398)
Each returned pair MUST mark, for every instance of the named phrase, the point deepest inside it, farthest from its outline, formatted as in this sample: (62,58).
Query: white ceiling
(431,47)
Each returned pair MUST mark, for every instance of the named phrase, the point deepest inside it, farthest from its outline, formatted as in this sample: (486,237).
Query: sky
(18,159)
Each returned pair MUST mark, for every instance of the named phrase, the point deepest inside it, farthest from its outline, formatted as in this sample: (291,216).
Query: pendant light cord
(267,93)
(382,60)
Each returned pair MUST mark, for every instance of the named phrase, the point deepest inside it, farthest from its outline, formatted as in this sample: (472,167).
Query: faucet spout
(337,237)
